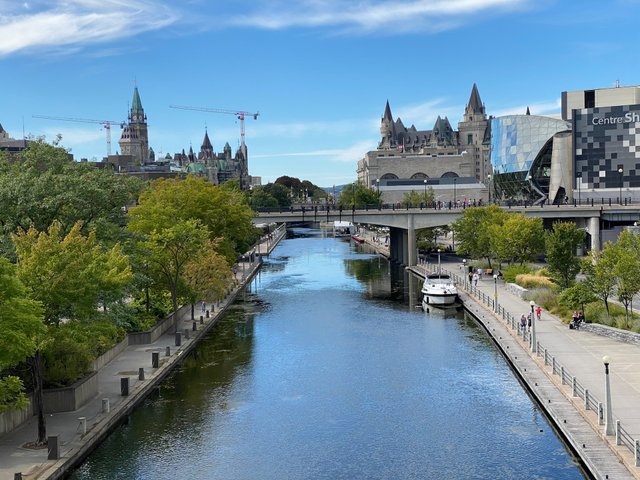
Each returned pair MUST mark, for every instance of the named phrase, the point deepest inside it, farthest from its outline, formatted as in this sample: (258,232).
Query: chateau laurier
(408,153)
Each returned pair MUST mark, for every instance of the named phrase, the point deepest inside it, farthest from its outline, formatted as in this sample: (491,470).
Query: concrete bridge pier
(593,228)
(412,253)
(396,243)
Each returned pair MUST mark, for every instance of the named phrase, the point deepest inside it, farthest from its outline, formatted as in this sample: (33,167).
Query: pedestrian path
(131,363)
(576,353)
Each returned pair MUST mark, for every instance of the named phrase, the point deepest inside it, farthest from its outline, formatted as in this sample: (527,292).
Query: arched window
(419,175)
(450,175)
(389,176)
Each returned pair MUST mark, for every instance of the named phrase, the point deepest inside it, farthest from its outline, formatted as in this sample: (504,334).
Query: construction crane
(105,123)
(239,114)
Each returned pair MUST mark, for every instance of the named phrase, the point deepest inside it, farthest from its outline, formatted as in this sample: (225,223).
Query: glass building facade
(521,152)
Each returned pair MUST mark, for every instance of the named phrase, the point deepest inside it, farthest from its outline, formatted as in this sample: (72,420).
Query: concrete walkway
(73,441)
(578,352)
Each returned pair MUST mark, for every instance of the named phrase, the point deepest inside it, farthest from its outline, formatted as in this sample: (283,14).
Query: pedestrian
(529,320)
(479,273)
(523,321)
(470,277)
(204,307)
(475,279)
(538,312)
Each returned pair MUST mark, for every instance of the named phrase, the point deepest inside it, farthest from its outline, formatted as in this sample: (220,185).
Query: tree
(208,275)
(169,250)
(260,198)
(224,214)
(357,194)
(413,198)
(47,186)
(577,296)
(280,193)
(561,244)
(517,239)
(474,230)
(600,273)
(22,329)
(627,269)
(69,274)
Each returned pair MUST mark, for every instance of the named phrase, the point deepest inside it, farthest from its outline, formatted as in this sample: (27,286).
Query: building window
(589,99)
(469,139)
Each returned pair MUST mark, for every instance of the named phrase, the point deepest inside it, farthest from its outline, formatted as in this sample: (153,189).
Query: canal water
(328,370)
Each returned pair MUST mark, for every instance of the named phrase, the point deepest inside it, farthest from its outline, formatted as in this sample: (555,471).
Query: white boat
(438,289)
(339,228)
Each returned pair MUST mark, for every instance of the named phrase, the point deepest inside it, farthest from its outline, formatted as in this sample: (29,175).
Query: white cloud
(51,26)
(370,15)
(350,154)
(540,108)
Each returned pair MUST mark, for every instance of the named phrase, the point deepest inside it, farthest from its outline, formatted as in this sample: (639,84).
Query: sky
(318,71)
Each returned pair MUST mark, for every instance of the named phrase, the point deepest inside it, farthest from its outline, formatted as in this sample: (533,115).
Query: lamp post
(454,190)
(533,328)
(378,185)
(579,181)
(425,189)
(621,172)
(489,186)
(439,262)
(495,293)
(609,428)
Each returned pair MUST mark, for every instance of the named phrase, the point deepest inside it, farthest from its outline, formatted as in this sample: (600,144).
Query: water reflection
(327,370)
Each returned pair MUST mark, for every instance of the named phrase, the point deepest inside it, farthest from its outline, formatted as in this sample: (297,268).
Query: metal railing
(590,402)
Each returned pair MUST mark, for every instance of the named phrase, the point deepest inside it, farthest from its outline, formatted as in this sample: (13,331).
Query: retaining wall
(71,398)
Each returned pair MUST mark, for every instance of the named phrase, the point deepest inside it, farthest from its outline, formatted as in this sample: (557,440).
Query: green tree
(225,215)
(517,239)
(414,199)
(208,276)
(260,198)
(600,273)
(561,245)
(577,296)
(169,250)
(627,270)
(22,329)
(280,193)
(474,231)
(358,195)
(70,274)
(47,186)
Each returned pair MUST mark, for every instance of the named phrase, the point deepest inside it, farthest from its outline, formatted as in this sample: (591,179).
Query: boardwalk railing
(590,402)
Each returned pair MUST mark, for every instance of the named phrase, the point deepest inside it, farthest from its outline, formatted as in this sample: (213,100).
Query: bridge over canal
(601,222)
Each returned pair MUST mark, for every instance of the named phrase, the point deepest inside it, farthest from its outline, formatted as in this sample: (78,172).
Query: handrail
(578,390)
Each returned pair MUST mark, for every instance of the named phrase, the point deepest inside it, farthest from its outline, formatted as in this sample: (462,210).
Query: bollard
(186,334)
(83,424)
(124,386)
(141,373)
(178,339)
(17,476)
(106,407)
(201,320)
(194,327)
(53,448)
(155,359)
(167,352)
(207,313)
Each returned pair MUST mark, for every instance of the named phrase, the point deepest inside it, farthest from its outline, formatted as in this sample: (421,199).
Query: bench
(489,271)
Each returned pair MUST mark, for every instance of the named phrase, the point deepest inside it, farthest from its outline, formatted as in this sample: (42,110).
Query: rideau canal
(326,369)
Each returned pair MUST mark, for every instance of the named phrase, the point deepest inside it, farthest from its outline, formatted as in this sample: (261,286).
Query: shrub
(543,272)
(66,358)
(545,297)
(512,271)
(527,280)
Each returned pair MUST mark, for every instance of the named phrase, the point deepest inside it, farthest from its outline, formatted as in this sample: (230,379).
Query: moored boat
(438,289)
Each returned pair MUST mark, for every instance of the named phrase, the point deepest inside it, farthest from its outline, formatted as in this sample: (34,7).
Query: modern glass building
(523,149)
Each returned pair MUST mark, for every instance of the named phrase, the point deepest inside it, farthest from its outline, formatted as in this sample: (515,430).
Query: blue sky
(318,71)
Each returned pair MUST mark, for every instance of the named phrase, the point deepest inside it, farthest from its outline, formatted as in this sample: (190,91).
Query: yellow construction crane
(105,123)
(239,114)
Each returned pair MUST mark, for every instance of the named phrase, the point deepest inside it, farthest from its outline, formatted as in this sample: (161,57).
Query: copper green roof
(197,168)
(136,105)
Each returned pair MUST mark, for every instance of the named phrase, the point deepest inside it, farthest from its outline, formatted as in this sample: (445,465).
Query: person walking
(529,320)
(538,312)
(523,321)
(475,279)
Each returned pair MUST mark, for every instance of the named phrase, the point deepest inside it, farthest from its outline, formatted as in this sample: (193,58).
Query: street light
(495,292)
(620,171)
(609,428)
(579,181)
(425,189)
(378,185)
(439,262)
(533,328)
(489,185)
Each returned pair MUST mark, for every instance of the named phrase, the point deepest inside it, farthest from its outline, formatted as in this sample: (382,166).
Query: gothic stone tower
(135,140)
(474,134)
